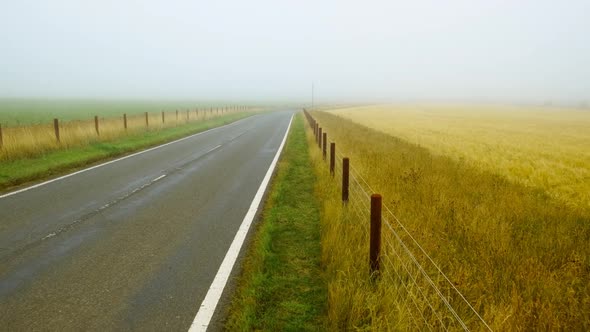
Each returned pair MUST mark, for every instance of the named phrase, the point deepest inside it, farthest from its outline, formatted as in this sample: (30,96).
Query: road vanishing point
(133,244)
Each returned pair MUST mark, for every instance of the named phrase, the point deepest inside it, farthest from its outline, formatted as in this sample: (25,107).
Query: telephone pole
(312,95)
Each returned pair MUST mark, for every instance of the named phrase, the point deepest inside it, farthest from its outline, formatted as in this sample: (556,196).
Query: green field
(14,112)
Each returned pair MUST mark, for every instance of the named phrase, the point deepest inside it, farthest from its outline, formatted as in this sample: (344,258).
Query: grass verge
(20,171)
(281,287)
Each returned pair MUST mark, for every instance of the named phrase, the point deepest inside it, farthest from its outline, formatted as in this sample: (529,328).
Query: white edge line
(207,308)
(116,160)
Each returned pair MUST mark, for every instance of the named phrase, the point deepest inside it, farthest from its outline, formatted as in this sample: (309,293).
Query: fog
(352,51)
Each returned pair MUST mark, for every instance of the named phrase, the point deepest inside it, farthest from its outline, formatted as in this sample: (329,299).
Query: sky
(262,50)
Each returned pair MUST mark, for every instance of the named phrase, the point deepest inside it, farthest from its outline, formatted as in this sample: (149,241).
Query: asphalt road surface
(135,244)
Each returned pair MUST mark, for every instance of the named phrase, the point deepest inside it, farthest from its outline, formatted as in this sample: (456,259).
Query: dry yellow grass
(33,140)
(548,148)
(519,256)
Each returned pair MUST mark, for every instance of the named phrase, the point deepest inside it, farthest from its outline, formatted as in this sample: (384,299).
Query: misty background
(353,51)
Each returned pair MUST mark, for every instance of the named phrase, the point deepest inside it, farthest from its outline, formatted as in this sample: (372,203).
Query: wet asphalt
(135,244)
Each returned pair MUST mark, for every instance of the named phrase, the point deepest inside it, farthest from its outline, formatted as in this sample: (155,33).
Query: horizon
(381,52)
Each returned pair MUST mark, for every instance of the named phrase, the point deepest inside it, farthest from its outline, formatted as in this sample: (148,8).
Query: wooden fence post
(96,125)
(320,138)
(147,121)
(163,120)
(56,128)
(315,131)
(325,145)
(375,244)
(332,157)
(345,179)
(125,121)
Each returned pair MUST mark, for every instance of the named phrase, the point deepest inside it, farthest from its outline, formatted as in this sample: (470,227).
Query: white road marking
(116,160)
(205,313)
(159,178)
(215,148)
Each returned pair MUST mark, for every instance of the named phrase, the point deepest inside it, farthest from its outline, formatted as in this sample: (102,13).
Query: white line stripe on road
(205,313)
(215,148)
(114,161)
(159,178)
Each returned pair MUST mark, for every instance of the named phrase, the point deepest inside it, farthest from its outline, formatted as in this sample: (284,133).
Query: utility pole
(312,95)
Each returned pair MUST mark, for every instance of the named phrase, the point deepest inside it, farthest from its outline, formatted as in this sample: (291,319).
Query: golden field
(547,148)
(519,255)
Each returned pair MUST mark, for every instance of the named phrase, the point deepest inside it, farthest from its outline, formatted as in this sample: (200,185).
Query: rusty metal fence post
(56,129)
(96,125)
(325,145)
(332,157)
(345,179)
(375,244)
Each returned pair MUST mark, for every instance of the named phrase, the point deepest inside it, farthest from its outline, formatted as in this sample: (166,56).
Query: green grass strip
(282,287)
(18,172)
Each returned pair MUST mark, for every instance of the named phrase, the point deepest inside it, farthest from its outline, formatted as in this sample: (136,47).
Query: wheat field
(517,252)
(542,147)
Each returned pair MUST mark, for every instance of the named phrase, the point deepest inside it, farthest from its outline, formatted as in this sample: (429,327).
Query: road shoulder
(281,286)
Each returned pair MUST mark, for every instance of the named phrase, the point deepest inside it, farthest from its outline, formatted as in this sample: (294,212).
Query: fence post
(96,125)
(125,121)
(325,144)
(332,157)
(345,179)
(1,140)
(56,128)
(317,129)
(375,245)
(320,139)
(163,120)
(147,121)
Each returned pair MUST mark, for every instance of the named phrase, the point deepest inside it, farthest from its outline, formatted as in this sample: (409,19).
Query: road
(134,244)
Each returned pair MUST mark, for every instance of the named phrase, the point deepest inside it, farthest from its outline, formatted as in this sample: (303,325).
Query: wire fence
(33,139)
(428,297)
